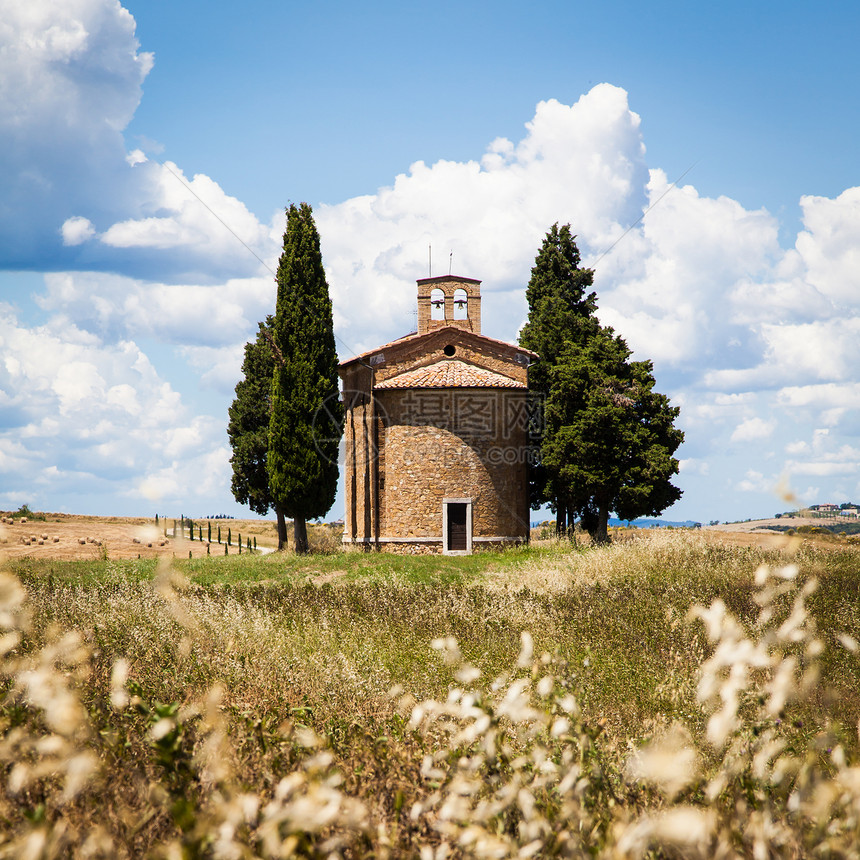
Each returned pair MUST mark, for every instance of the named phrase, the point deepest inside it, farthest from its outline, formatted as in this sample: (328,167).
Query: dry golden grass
(82,537)
(166,719)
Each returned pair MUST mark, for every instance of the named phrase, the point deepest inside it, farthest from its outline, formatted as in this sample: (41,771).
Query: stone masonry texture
(414,442)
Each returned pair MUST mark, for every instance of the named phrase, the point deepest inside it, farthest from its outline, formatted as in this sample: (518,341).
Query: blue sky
(124,303)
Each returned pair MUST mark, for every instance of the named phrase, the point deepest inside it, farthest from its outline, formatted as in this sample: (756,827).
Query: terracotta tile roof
(413,336)
(449,373)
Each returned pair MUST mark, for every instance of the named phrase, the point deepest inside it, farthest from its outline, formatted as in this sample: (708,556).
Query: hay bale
(82,541)
(56,540)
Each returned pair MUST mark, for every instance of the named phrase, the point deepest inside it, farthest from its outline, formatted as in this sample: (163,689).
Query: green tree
(561,311)
(609,437)
(306,418)
(561,307)
(248,430)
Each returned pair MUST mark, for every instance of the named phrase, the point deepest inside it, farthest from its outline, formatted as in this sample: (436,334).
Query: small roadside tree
(306,418)
(248,429)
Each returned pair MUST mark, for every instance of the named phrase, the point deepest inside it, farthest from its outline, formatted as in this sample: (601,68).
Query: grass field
(544,701)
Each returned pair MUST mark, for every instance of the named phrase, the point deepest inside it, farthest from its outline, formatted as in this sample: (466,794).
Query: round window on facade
(449,350)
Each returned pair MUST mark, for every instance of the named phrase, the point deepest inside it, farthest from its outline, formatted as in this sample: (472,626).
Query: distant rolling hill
(646,523)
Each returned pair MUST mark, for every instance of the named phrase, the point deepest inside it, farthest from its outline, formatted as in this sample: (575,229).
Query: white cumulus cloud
(753,429)
(77,230)
(756,342)
(78,415)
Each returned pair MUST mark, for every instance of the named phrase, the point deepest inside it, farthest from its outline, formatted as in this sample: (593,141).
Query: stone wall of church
(360,473)
(452,443)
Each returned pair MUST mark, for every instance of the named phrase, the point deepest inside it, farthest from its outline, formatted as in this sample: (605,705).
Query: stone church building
(436,431)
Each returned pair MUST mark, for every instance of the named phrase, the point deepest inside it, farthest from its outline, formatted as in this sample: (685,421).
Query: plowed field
(63,536)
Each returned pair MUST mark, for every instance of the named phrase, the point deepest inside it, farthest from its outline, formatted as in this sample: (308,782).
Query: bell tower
(449,300)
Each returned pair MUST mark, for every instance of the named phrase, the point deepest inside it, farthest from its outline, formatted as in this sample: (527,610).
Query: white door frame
(468,504)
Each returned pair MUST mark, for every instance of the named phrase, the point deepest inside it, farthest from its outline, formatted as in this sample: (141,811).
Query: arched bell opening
(437,305)
(461,305)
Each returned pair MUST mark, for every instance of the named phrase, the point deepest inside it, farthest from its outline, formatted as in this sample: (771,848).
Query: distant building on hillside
(437,432)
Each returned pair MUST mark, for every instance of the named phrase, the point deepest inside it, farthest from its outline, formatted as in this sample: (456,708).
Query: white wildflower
(722,724)
(50,745)
(79,769)
(449,648)
(516,703)
(527,649)
(9,641)
(761,575)
(545,685)
(790,571)
(713,617)
(848,642)
(18,778)
(162,728)
(685,827)
(307,738)
(12,596)
(467,674)
(560,727)
(681,827)
(570,705)
(781,686)
(118,677)
(670,762)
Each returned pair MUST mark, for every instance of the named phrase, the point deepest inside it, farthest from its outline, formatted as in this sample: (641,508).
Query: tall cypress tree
(306,417)
(248,429)
(561,310)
